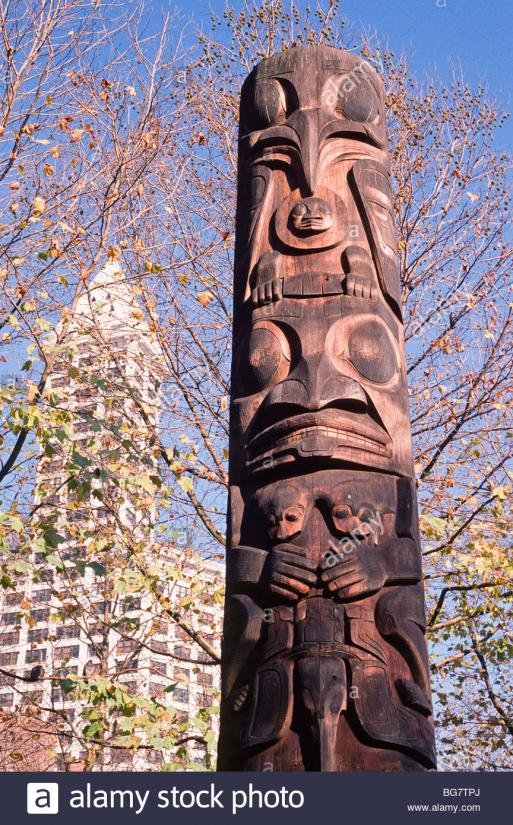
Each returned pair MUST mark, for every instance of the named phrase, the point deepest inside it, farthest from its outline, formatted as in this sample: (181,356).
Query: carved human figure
(324,654)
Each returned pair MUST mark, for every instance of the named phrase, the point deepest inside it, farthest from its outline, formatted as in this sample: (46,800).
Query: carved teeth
(344,436)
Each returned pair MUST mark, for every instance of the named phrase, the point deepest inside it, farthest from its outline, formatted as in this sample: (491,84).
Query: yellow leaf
(39,205)
(56,152)
(48,170)
(204,298)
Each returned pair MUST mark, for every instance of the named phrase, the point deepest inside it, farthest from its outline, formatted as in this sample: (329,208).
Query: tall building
(82,610)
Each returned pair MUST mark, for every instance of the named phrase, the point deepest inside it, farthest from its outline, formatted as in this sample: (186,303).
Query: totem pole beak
(327,741)
(323,691)
(305,123)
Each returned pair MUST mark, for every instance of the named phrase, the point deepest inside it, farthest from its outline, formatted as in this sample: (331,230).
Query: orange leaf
(204,298)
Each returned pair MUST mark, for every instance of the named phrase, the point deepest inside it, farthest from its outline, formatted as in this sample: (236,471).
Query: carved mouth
(313,224)
(323,433)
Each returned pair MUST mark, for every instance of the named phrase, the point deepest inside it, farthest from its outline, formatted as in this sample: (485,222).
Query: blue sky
(437,34)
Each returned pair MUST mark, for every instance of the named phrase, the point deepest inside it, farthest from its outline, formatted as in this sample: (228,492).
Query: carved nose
(306,127)
(315,384)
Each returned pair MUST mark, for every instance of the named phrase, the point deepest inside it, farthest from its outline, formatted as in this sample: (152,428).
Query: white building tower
(84,610)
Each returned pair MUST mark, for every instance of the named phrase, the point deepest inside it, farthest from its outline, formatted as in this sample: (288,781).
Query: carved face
(325,382)
(284,510)
(362,509)
(313,176)
(318,354)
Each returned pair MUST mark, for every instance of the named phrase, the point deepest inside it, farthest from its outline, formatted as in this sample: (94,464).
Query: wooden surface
(324,654)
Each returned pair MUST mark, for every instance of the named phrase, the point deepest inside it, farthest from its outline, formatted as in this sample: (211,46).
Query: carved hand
(360,286)
(288,572)
(358,573)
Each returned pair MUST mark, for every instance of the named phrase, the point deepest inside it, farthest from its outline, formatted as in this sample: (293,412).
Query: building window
(46,575)
(129,667)
(39,615)
(13,598)
(127,646)
(156,757)
(38,655)
(99,608)
(181,695)
(35,696)
(6,699)
(159,647)
(157,690)
(83,426)
(67,632)
(182,652)
(9,659)
(131,687)
(41,596)
(63,672)
(68,652)
(127,624)
(76,516)
(202,656)
(159,667)
(205,679)
(10,618)
(204,700)
(12,638)
(37,635)
(119,757)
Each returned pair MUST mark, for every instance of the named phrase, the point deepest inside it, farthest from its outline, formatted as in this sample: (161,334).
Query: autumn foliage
(118,143)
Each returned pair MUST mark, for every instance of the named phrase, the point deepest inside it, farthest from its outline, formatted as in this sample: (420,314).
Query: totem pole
(324,653)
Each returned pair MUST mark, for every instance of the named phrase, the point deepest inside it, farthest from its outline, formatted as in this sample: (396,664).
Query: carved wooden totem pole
(324,659)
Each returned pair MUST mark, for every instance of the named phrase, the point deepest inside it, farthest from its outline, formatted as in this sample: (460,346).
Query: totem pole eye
(341,511)
(268,103)
(356,98)
(366,515)
(268,356)
(294,513)
(372,351)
